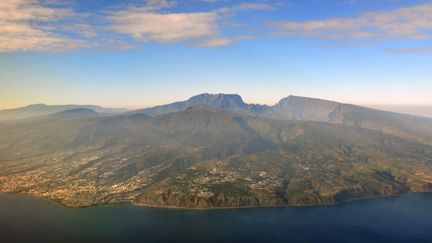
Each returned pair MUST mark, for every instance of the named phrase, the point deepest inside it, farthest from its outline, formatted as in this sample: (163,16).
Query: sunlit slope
(205,157)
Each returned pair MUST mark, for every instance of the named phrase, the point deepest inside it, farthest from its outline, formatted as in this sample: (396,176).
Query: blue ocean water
(406,218)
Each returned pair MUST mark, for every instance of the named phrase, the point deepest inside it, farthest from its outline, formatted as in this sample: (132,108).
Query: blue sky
(141,53)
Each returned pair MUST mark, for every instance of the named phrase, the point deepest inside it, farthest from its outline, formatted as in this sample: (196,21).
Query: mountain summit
(228,102)
(292,107)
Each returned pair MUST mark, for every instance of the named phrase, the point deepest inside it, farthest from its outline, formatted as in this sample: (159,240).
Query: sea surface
(406,218)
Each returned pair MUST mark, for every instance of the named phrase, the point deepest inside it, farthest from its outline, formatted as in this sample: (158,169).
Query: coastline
(276,206)
(59,204)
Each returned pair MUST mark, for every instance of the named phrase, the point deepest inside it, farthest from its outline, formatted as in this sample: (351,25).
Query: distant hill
(216,154)
(75,113)
(42,109)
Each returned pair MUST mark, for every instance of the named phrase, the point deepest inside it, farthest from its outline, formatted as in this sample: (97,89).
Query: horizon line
(144,106)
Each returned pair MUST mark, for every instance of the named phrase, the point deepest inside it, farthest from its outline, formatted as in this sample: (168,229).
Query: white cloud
(22,27)
(245,7)
(214,41)
(48,25)
(164,27)
(409,23)
(410,50)
(153,5)
(147,23)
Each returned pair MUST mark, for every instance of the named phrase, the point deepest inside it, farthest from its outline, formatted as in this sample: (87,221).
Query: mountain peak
(223,101)
(292,99)
(228,102)
(290,107)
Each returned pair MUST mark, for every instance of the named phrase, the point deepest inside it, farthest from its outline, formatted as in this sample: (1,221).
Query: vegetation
(208,157)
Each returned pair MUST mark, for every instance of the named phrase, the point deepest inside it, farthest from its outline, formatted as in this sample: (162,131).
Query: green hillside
(205,157)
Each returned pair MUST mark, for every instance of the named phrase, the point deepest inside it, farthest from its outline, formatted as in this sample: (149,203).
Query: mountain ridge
(308,109)
(40,109)
(202,99)
(202,156)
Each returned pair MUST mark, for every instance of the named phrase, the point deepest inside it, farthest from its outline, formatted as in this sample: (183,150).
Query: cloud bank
(25,25)
(410,22)
(162,27)
(36,25)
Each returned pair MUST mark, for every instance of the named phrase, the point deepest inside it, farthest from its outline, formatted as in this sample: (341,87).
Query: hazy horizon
(416,110)
(386,106)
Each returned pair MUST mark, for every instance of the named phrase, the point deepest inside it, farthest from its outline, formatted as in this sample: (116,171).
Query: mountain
(301,108)
(310,109)
(42,109)
(217,155)
(291,107)
(229,102)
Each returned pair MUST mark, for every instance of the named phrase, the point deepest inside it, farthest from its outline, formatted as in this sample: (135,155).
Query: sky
(137,54)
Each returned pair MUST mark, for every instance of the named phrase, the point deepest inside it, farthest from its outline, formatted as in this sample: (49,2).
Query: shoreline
(276,205)
(57,203)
